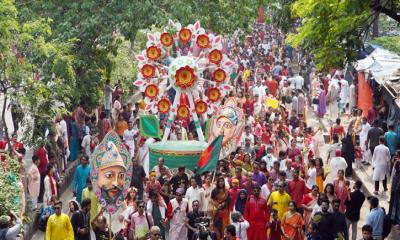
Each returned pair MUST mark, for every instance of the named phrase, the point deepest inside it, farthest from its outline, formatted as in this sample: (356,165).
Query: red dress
(3,145)
(256,212)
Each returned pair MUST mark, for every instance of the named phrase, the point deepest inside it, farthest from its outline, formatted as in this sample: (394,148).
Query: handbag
(315,101)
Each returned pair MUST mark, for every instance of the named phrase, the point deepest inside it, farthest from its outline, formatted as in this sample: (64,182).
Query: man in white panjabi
(336,163)
(344,93)
(176,215)
(365,127)
(332,97)
(129,137)
(380,164)
(352,97)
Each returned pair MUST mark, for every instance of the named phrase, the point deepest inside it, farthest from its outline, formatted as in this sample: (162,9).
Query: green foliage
(282,14)
(98,25)
(331,30)
(35,68)
(10,194)
(391,43)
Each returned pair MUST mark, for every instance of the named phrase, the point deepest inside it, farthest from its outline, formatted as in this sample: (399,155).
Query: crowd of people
(278,184)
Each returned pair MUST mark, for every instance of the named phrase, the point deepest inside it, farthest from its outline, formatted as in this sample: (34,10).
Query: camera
(202,222)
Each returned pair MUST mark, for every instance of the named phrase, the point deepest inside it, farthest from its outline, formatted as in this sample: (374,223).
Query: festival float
(181,59)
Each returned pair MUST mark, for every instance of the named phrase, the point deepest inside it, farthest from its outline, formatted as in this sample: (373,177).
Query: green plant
(10,185)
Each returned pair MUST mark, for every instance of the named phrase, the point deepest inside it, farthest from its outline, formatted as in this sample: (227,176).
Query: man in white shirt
(129,138)
(87,139)
(193,193)
(269,159)
(247,134)
(336,163)
(311,174)
(299,82)
(380,164)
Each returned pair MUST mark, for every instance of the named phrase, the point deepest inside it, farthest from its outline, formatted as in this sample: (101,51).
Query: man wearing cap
(256,212)
(8,232)
(176,216)
(111,175)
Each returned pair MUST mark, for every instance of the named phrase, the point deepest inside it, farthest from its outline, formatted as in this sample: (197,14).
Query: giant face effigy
(111,172)
(229,121)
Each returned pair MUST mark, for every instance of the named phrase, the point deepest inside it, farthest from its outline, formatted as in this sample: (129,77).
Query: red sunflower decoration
(166,39)
(219,75)
(183,111)
(148,71)
(151,91)
(185,35)
(215,56)
(203,41)
(185,77)
(200,106)
(213,94)
(164,105)
(153,53)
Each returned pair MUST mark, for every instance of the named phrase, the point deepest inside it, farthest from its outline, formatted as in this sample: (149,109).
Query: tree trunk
(375,25)
(3,114)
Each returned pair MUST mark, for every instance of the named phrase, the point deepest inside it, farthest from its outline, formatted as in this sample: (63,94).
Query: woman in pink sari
(341,190)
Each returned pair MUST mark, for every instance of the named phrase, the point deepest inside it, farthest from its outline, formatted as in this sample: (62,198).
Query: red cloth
(273,87)
(3,145)
(256,212)
(41,153)
(248,106)
(275,230)
(234,192)
(52,186)
(297,189)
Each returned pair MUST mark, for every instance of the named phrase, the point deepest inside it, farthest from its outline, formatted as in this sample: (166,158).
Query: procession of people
(288,179)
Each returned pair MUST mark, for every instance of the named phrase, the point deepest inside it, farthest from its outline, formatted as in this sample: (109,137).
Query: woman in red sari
(309,202)
(293,151)
(341,190)
(220,202)
(337,129)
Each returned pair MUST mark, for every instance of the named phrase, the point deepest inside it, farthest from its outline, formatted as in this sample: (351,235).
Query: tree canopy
(333,31)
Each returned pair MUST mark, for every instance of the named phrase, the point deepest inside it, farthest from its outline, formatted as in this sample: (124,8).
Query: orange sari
(288,226)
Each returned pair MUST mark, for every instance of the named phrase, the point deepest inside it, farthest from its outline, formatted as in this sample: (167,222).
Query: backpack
(387,225)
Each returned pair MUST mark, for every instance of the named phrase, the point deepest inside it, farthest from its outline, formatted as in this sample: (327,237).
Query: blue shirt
(375,219)
(391,139)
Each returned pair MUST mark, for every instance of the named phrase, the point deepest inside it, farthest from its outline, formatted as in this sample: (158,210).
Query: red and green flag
(210,156)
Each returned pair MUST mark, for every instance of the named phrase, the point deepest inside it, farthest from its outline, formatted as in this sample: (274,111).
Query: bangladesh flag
(210,156)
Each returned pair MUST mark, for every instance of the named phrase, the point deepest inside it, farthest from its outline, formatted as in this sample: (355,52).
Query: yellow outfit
(281,200)
(94,210)
(59,228)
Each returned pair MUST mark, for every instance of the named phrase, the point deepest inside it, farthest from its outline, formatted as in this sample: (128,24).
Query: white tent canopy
(381,63)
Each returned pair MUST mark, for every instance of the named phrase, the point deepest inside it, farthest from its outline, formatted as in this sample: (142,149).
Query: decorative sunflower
(200,106)
(185,35)
(219,75)
(153,53)
(213,94)
(148,71)
(185,77)
(203,41)
(183,111)
(215,56)
(164,105)
(151,91)
(166,39)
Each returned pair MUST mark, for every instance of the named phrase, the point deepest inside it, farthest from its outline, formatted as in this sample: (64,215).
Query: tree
(34,71)
(96,25)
